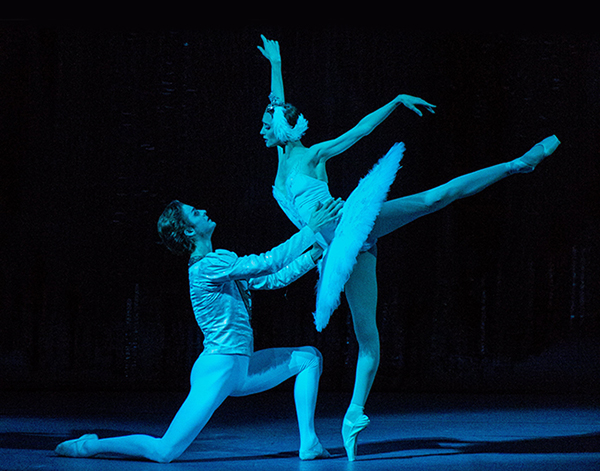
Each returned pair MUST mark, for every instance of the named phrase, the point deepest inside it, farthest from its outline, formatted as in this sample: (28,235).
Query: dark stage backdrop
(101,128)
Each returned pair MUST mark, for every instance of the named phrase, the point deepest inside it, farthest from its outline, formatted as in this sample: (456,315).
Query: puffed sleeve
(214,266)
(285,276)
(225,266)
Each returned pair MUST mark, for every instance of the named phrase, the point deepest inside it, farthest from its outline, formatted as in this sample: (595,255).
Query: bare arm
(325,150)
(270,50)
(328,149)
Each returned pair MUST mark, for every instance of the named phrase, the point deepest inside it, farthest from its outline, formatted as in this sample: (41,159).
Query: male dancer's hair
(171,228)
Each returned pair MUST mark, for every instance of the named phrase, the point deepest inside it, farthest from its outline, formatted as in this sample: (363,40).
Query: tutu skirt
(358,217)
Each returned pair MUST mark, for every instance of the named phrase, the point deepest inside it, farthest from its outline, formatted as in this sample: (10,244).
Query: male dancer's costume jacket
(219,285)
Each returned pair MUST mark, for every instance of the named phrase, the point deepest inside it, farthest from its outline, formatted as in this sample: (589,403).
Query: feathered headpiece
(284,132)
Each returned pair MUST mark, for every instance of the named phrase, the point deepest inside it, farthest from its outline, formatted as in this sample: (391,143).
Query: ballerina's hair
(288,124)
(171,228)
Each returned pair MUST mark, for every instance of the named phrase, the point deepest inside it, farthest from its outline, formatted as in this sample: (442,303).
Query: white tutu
(358,217)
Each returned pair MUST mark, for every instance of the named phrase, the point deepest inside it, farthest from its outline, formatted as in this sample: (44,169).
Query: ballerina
(302,180)
(228,366)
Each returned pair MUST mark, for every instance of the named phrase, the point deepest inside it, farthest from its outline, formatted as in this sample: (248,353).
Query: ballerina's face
(267,131)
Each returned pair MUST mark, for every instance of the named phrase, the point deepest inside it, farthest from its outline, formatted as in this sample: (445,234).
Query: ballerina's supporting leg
(398,212)
(361,288)
(361,294)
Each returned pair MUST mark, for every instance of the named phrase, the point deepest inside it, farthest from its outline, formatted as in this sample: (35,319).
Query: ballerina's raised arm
(325,150)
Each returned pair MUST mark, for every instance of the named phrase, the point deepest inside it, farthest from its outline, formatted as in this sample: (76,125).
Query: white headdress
(284,132)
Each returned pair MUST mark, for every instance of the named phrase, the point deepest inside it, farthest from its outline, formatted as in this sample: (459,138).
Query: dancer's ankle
(534,156)
(310,443)
(354,412)
(314,452)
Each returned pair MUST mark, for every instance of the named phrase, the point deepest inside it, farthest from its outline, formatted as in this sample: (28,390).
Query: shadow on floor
(586,443)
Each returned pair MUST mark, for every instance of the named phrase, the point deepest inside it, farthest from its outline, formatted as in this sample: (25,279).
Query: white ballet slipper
(314,453)
(350,431)
(73,448)
(527,162)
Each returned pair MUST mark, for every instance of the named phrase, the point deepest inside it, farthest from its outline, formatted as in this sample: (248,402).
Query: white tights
(214,378)
(361,288)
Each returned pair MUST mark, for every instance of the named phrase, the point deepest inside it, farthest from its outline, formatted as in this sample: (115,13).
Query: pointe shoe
(350,431)
(72,448)
(315,453)
(528,162)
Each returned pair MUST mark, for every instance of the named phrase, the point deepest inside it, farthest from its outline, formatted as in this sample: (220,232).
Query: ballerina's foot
(75,448)
(535,155)
(350,431)
(315,453)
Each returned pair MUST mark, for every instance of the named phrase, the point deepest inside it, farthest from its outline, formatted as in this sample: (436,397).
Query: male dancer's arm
(289,273)
(253,266)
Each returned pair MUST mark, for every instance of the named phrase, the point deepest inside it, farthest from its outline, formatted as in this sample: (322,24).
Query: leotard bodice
(302,194)
(353,232)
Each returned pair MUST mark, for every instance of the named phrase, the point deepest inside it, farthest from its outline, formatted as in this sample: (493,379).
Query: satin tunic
(220,281)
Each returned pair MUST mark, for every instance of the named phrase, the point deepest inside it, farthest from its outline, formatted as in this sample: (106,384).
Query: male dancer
(228,366)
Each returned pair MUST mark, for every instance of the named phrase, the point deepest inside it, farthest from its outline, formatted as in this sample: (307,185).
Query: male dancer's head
(185,230)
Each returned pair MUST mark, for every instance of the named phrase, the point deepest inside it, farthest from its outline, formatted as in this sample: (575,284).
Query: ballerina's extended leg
(535,155)
(394,214)
(401,211)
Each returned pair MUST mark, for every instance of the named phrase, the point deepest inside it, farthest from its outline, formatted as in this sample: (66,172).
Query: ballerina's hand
(270,49)
(411,103)
(325,214)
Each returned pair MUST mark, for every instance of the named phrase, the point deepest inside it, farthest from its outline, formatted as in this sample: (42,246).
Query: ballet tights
(361,288)
(398,212)
(213,379)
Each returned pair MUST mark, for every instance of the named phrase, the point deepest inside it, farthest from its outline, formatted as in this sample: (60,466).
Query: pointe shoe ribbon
(350,431)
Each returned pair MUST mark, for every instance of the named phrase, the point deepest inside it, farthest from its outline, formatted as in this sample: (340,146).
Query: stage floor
(407,432)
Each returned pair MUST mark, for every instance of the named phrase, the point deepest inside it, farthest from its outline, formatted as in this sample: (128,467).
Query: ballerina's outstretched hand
(411,102)
(270,49)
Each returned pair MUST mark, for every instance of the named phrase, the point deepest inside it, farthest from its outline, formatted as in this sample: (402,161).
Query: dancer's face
(267,132)
(199,222)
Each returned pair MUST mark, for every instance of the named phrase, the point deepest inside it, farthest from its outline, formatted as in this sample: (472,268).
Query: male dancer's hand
(316,252)
(325,214)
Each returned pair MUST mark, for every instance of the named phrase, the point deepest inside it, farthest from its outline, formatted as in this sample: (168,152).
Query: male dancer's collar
(194,259)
